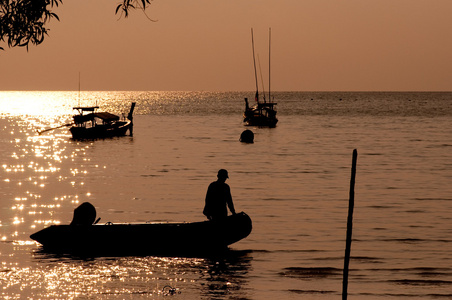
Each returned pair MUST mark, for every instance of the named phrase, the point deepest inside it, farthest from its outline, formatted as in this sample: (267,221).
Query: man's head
(222,175)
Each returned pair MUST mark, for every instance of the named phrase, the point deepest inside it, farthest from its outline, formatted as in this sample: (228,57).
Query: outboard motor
(84,214)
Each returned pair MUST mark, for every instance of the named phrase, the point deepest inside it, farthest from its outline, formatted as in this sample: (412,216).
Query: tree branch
(25,21)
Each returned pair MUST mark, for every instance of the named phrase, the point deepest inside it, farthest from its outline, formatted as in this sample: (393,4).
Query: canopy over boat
(85,108)
(104,116)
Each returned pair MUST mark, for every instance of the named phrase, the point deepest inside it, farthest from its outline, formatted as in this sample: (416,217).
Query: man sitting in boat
(218,197)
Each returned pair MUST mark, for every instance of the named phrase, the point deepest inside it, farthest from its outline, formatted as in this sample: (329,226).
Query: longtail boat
(89,124)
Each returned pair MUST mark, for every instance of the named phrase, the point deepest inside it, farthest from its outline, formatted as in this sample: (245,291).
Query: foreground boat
(164,239)
(89,124)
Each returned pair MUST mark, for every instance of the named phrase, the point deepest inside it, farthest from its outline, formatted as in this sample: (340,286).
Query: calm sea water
(293,182)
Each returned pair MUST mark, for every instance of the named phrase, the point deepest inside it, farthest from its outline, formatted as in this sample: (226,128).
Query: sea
(294,182)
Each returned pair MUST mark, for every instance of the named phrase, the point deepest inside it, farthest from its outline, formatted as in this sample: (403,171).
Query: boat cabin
(93,118)
(261,114)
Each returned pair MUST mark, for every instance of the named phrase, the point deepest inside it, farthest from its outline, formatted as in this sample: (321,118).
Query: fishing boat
(89,124)
(263,113)
(163,239)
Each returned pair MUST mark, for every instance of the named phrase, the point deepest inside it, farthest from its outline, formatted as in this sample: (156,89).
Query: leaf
(117,8)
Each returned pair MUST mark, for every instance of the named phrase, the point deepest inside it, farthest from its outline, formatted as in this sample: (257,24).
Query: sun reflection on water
(69,278)
(37,172)
(48,104)
(44,177)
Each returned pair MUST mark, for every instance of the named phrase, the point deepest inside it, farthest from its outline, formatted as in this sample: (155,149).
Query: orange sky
(317,45)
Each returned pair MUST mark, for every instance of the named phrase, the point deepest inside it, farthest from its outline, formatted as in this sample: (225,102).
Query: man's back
(217,197)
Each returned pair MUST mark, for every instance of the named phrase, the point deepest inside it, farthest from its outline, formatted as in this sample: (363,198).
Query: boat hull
(164,239)
(101,131)
(259,120)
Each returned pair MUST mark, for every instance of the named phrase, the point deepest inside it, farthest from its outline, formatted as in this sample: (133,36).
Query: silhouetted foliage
(126,5)
(25,21)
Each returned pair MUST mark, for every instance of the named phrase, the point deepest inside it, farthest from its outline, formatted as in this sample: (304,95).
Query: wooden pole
(45,130)
(348,242)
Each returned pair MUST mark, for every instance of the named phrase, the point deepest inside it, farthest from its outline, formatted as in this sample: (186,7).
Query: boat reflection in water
(84,237)
(220,277)
(89,124)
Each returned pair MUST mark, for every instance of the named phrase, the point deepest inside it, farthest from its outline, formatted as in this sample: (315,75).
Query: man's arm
(229,200)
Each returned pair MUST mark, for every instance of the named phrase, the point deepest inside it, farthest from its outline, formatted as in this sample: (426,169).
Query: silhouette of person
(218,197)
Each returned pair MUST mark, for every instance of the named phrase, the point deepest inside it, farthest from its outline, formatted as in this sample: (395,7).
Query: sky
(205,45)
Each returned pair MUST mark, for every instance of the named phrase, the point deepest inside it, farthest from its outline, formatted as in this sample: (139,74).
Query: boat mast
(79,89)
(255,72)
(262,79)
(269,50)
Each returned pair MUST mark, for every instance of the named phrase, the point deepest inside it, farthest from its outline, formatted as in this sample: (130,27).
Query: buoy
(247,136)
